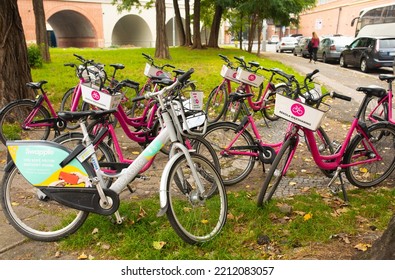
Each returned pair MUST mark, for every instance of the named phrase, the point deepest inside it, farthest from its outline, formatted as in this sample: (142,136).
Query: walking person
(313,47)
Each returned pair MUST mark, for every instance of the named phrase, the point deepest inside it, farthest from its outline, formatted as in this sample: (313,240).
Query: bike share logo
(297,110)
(95,95)
(234,75)
(158,73)
(251,77)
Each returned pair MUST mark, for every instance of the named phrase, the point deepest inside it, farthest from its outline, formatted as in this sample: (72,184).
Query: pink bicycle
(366,156)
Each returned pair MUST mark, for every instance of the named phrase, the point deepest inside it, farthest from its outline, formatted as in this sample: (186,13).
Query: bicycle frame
(29,123)
(248,120)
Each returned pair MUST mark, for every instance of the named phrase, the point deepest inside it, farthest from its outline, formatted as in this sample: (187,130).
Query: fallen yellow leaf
(362,246)
(308,216)
(158,245)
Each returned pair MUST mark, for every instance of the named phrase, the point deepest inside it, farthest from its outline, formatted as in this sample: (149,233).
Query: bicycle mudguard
(40,163)
(163,184)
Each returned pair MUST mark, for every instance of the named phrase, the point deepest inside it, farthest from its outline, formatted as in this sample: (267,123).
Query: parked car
(301,47)
(286,44)
(274,39)
(369,53)
(331,47)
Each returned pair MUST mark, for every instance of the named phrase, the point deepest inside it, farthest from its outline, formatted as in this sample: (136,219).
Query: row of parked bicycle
(50,187)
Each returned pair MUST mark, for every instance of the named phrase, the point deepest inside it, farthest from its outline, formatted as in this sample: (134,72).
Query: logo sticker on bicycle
(297,109)
(95,95)
(251,78)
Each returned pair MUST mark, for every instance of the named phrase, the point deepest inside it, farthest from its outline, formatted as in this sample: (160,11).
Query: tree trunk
(179,25)
(215,26)
(15,72)
(161,47)
(197,41)
(260,29)
(41,29)
(383,248)
(188,37)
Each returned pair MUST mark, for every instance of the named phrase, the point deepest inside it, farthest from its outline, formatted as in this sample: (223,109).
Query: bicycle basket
(188,114)
(103,100)
(92,74)
(249,78)
(298,112)
(152,71)
(229,73)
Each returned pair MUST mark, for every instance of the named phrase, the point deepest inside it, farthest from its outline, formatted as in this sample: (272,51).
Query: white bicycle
(48,190)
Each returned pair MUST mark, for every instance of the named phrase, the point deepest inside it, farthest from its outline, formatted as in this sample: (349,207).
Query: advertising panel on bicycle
(152,71)
(249,78)
(99,98)
(297,112)
(229,73)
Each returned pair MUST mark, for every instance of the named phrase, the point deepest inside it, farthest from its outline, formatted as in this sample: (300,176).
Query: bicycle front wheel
(194,215)
(235,163)
(216,103)
(14,116)
(276,172)
(32,213)
(268,109)
(370,174)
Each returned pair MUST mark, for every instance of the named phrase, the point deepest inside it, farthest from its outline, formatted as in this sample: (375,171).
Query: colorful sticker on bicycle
(152,149)
(39,162)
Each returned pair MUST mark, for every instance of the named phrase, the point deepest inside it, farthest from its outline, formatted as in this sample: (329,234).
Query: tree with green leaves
(41,29)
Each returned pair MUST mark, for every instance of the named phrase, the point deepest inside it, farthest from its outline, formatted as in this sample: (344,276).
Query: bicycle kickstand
(335,189)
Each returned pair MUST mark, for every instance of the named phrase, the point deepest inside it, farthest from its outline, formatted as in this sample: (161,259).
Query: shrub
(34,56)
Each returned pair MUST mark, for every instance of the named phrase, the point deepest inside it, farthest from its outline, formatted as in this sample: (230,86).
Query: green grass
(246,227)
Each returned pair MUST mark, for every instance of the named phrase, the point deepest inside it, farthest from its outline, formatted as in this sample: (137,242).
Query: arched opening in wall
(72,29)
(173,36)
(132,30)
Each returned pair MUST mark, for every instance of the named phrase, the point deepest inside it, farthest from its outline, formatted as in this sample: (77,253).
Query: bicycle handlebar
(340,96)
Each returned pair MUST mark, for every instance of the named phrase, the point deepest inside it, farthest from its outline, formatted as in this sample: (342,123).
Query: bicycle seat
(36,85)
(70,116)
(118,66)
(387,77)
(373,90)
(162,81)
(235,96)
(179,72)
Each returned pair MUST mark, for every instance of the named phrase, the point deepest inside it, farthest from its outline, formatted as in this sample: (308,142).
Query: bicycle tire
(65,105)
(34,215)
(234,168)
(14,114)
(276,172)
(196,218)
(216,103)
(268,110)
(204,148)
(381,113)
(367,175)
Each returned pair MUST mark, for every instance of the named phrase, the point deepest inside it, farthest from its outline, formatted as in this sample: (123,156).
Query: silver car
(330,48)
(286,44)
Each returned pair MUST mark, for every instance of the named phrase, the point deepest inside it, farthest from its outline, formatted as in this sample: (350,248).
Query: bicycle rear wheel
(13,116)
(276,172)
(32,213)
(196,217)
(234,168)
(66,103)
(379,114)
(216,103)
(370,174)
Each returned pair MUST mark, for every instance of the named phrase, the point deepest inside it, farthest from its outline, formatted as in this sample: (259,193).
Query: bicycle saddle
(373,90)
(235,96)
